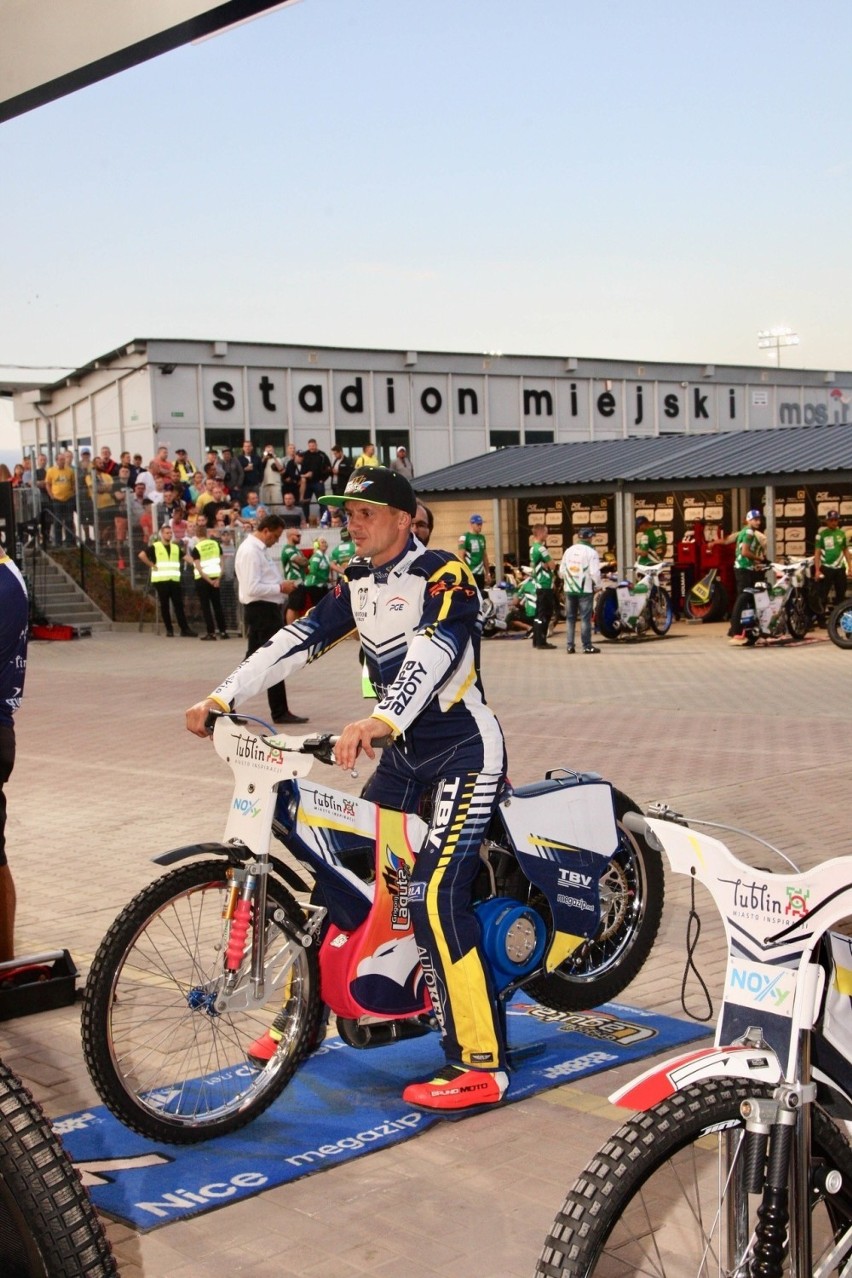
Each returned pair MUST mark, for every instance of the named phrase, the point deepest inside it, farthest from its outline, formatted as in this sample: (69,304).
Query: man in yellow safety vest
(164,557)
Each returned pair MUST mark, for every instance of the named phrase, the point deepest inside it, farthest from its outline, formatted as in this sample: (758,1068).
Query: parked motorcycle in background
(839,624)
(778,607)
(625,609)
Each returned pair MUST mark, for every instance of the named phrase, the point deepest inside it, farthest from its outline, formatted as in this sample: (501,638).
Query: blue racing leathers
(418,619)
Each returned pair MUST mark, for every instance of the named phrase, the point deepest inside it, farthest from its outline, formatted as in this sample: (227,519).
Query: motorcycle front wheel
(48,1226)
(631,891)
(660,611)
(666,1195)
(798,619)
(839,624)
(164,1043)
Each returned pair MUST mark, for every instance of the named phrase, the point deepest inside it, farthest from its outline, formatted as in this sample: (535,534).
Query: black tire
(632,892)
(798,618)
(150,1027)
(713,609)
(48,1226)
(660,612)
(839,624)
(606,614)
(648,1201)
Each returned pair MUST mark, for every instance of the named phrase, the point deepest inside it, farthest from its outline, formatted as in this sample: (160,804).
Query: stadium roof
(784,455)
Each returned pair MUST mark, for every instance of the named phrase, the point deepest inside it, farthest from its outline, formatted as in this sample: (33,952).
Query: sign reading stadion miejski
(569,406)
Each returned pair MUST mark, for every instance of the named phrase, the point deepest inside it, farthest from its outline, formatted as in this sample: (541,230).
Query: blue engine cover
(496,919)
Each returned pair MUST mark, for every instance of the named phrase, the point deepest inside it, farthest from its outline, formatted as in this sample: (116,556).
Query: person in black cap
(417,612)
(580,571)
(832,561)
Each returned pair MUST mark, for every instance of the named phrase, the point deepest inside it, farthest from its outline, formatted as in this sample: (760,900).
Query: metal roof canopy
(53,47)
(790,454)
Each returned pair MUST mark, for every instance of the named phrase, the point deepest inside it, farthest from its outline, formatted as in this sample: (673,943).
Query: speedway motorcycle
(236,943)
(623,608)
(738,1163)
(839,624)
(778,607)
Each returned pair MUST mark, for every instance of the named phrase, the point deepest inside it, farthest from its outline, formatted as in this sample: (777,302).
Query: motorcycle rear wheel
(606,614)
(632,890)
(798,623)
(650,1201)
(839,624)
(163,1058)
(713,609)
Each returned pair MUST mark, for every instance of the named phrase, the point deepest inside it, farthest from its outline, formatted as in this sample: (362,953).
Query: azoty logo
(762,986)
(246,807)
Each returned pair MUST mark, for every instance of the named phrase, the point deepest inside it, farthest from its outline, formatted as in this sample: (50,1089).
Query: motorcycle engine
(514,938)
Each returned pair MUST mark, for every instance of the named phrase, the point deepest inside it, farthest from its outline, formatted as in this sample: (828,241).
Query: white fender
(663,1080)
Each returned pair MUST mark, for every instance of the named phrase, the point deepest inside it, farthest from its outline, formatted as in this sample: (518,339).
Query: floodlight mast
(774,338)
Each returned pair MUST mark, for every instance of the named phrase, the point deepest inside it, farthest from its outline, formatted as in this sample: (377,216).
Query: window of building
(538,436)
(503,438)
(352,442)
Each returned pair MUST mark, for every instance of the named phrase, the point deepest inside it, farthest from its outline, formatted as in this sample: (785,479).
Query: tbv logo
(573,879)
(246,807)
(762,987)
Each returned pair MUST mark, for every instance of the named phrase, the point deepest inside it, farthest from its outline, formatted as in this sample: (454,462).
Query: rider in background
(650,542)
(474,552)
(748,568)
(832,561)
(542,571)
(417,613)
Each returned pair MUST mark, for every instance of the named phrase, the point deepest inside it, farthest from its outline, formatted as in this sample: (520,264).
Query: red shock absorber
(237,937)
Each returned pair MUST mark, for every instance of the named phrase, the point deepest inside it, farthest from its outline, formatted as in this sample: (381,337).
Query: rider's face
(379,532)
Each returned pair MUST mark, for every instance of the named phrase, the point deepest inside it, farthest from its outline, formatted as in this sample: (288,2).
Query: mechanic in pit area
(417,613)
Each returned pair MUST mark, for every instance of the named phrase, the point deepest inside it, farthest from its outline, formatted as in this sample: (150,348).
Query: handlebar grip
(210,720)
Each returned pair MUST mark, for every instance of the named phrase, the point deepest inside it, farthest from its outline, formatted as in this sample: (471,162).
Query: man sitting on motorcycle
(417,613)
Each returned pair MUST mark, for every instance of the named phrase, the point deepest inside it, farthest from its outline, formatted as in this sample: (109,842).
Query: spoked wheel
(48,1226)
(839,624)
(165,1041)
(631,891)
(660,611)
(666,1196)
(606,614)
(713,608)
(798,618)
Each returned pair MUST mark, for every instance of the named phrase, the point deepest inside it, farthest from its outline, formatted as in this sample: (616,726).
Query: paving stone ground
(107,777)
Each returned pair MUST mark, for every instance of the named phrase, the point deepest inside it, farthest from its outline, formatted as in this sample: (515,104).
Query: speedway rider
(417,613)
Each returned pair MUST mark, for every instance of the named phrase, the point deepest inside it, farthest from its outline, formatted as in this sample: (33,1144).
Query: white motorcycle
(778,607)
(622,608)
(738,1162)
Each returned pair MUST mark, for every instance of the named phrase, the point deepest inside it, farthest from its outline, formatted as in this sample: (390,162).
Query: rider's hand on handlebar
(196,717)
(359,736)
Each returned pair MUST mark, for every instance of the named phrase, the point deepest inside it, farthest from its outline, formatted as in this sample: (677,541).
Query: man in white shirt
(580,570)
(260,591)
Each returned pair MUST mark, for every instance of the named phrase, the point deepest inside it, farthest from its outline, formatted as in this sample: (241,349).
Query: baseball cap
(376,486)
(181,450)
(475,519)
(585,533)
(754,514)
(832,514)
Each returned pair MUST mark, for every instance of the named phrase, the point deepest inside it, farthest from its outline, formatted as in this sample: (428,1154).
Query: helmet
(502,585)
(754,514)
(642,519)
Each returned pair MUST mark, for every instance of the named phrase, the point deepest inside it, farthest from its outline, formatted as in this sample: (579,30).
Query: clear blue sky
(648,179)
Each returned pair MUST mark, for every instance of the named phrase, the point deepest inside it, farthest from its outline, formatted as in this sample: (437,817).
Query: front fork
(244,906)
(777,1154)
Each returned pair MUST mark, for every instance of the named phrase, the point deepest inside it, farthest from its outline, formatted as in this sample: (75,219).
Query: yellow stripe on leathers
(466,988)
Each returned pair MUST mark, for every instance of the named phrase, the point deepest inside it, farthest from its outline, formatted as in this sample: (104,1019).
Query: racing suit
(418,619)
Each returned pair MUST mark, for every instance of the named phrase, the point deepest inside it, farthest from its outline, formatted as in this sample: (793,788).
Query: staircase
(58,596)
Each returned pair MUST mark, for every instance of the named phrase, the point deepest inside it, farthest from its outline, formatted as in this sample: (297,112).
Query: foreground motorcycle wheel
(606,614)
(48,1226)
(660,611)
(164,1059)
(711,609)
(632,890)
(666,1195)
(839,624)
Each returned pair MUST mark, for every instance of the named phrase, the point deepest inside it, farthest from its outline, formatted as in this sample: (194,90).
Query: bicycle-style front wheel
(839,624)
(660,612)
(666,1196)
(165,1040)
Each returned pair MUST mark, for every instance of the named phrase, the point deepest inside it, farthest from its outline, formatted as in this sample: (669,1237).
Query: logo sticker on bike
(754,901)
(397,877)
(249,747)
(247,807)
(600,1025)
(335,804)
(762,986)
(797,902)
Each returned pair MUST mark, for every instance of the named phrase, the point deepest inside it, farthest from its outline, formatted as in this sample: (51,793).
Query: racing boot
(456,1088)
(262,1050)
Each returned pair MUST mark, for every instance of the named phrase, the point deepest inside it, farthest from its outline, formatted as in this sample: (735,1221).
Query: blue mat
(342,1104)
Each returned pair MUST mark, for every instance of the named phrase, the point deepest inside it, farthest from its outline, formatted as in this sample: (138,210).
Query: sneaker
(571,649)
(208,638)
(546,645)
(455,1087)
(738,641)
(223,634)
(592,649)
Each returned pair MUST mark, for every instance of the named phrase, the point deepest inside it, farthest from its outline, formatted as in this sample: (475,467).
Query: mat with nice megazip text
(341,1105)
